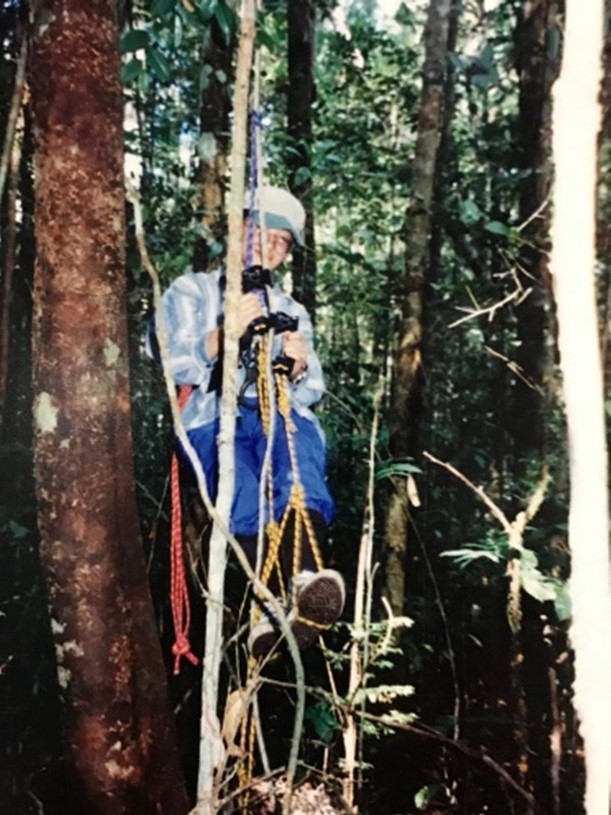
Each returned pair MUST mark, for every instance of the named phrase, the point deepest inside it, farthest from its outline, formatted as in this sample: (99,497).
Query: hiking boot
(319,601)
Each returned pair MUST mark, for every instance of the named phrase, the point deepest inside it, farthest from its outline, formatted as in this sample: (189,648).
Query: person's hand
(295,346)
(250,309)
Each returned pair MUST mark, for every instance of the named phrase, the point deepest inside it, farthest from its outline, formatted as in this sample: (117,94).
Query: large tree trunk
(119,728)
(301,90)
(406,393)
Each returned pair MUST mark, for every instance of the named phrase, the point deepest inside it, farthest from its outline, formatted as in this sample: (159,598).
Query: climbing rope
(179,589)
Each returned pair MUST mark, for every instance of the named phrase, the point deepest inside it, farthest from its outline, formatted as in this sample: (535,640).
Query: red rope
(179,589)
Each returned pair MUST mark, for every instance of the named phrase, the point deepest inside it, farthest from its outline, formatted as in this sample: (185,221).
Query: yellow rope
(262,385)
(247,752)
(274,534)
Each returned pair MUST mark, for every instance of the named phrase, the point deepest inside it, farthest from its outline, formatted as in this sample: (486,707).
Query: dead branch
(495,511)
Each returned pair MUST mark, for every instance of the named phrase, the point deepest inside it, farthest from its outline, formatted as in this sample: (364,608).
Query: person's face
(279,242)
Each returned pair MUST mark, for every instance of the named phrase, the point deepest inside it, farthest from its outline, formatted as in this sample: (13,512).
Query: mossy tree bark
(119,728)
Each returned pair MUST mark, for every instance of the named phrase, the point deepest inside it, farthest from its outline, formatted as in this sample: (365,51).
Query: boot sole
(319,605)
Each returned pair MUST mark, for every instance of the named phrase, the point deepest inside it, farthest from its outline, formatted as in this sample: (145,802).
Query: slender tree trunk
(538,50)
(301,91)
(213,143)
(573,261)
(538,47)
(119,728)
(406,393)
(603,240)
(211,752)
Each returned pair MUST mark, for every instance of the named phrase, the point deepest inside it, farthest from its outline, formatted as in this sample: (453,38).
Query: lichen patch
(45,413)
(112,352)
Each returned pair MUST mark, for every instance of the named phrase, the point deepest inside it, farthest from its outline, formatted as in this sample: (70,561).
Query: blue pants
(250,446)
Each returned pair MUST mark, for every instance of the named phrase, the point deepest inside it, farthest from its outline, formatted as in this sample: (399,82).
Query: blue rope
(256,121)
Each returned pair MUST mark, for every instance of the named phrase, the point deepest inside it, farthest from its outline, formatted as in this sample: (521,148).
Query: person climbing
(303,507)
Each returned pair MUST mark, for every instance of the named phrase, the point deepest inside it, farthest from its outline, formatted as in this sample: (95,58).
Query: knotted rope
(179,589)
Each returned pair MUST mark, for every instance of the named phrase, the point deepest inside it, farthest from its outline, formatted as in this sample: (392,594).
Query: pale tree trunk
(604,224)
(576,126)
(407,372)
(301,18)
(118,723)
(211,752)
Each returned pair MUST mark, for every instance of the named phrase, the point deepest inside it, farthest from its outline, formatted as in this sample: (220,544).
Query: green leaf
(132,70)
(383,694)
(432,792)
(161,8)
(398,717)
(266,39)
(159,63)
(206,10)
(470,213)
(486,57)
(396,468)
(302,175)
(562,604)
(471,553)
(404,15)
(226,20)
(323,721)
(134,39)
(528,559)
(17,530)
(497,228)
(485,80)
(537,585)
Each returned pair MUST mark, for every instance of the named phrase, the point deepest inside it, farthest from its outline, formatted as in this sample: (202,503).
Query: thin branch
(513,367)
(492,507)
(16,102)
(543,205)
(490,311)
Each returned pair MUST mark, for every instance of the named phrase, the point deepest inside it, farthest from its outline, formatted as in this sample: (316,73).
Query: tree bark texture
(301,93)
(214,139)
(119,728)
(538,48)
(406,395)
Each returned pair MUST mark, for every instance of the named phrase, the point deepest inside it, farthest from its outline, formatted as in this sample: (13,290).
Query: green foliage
(392,468)
(495,548)
(431,794)
(323,720)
